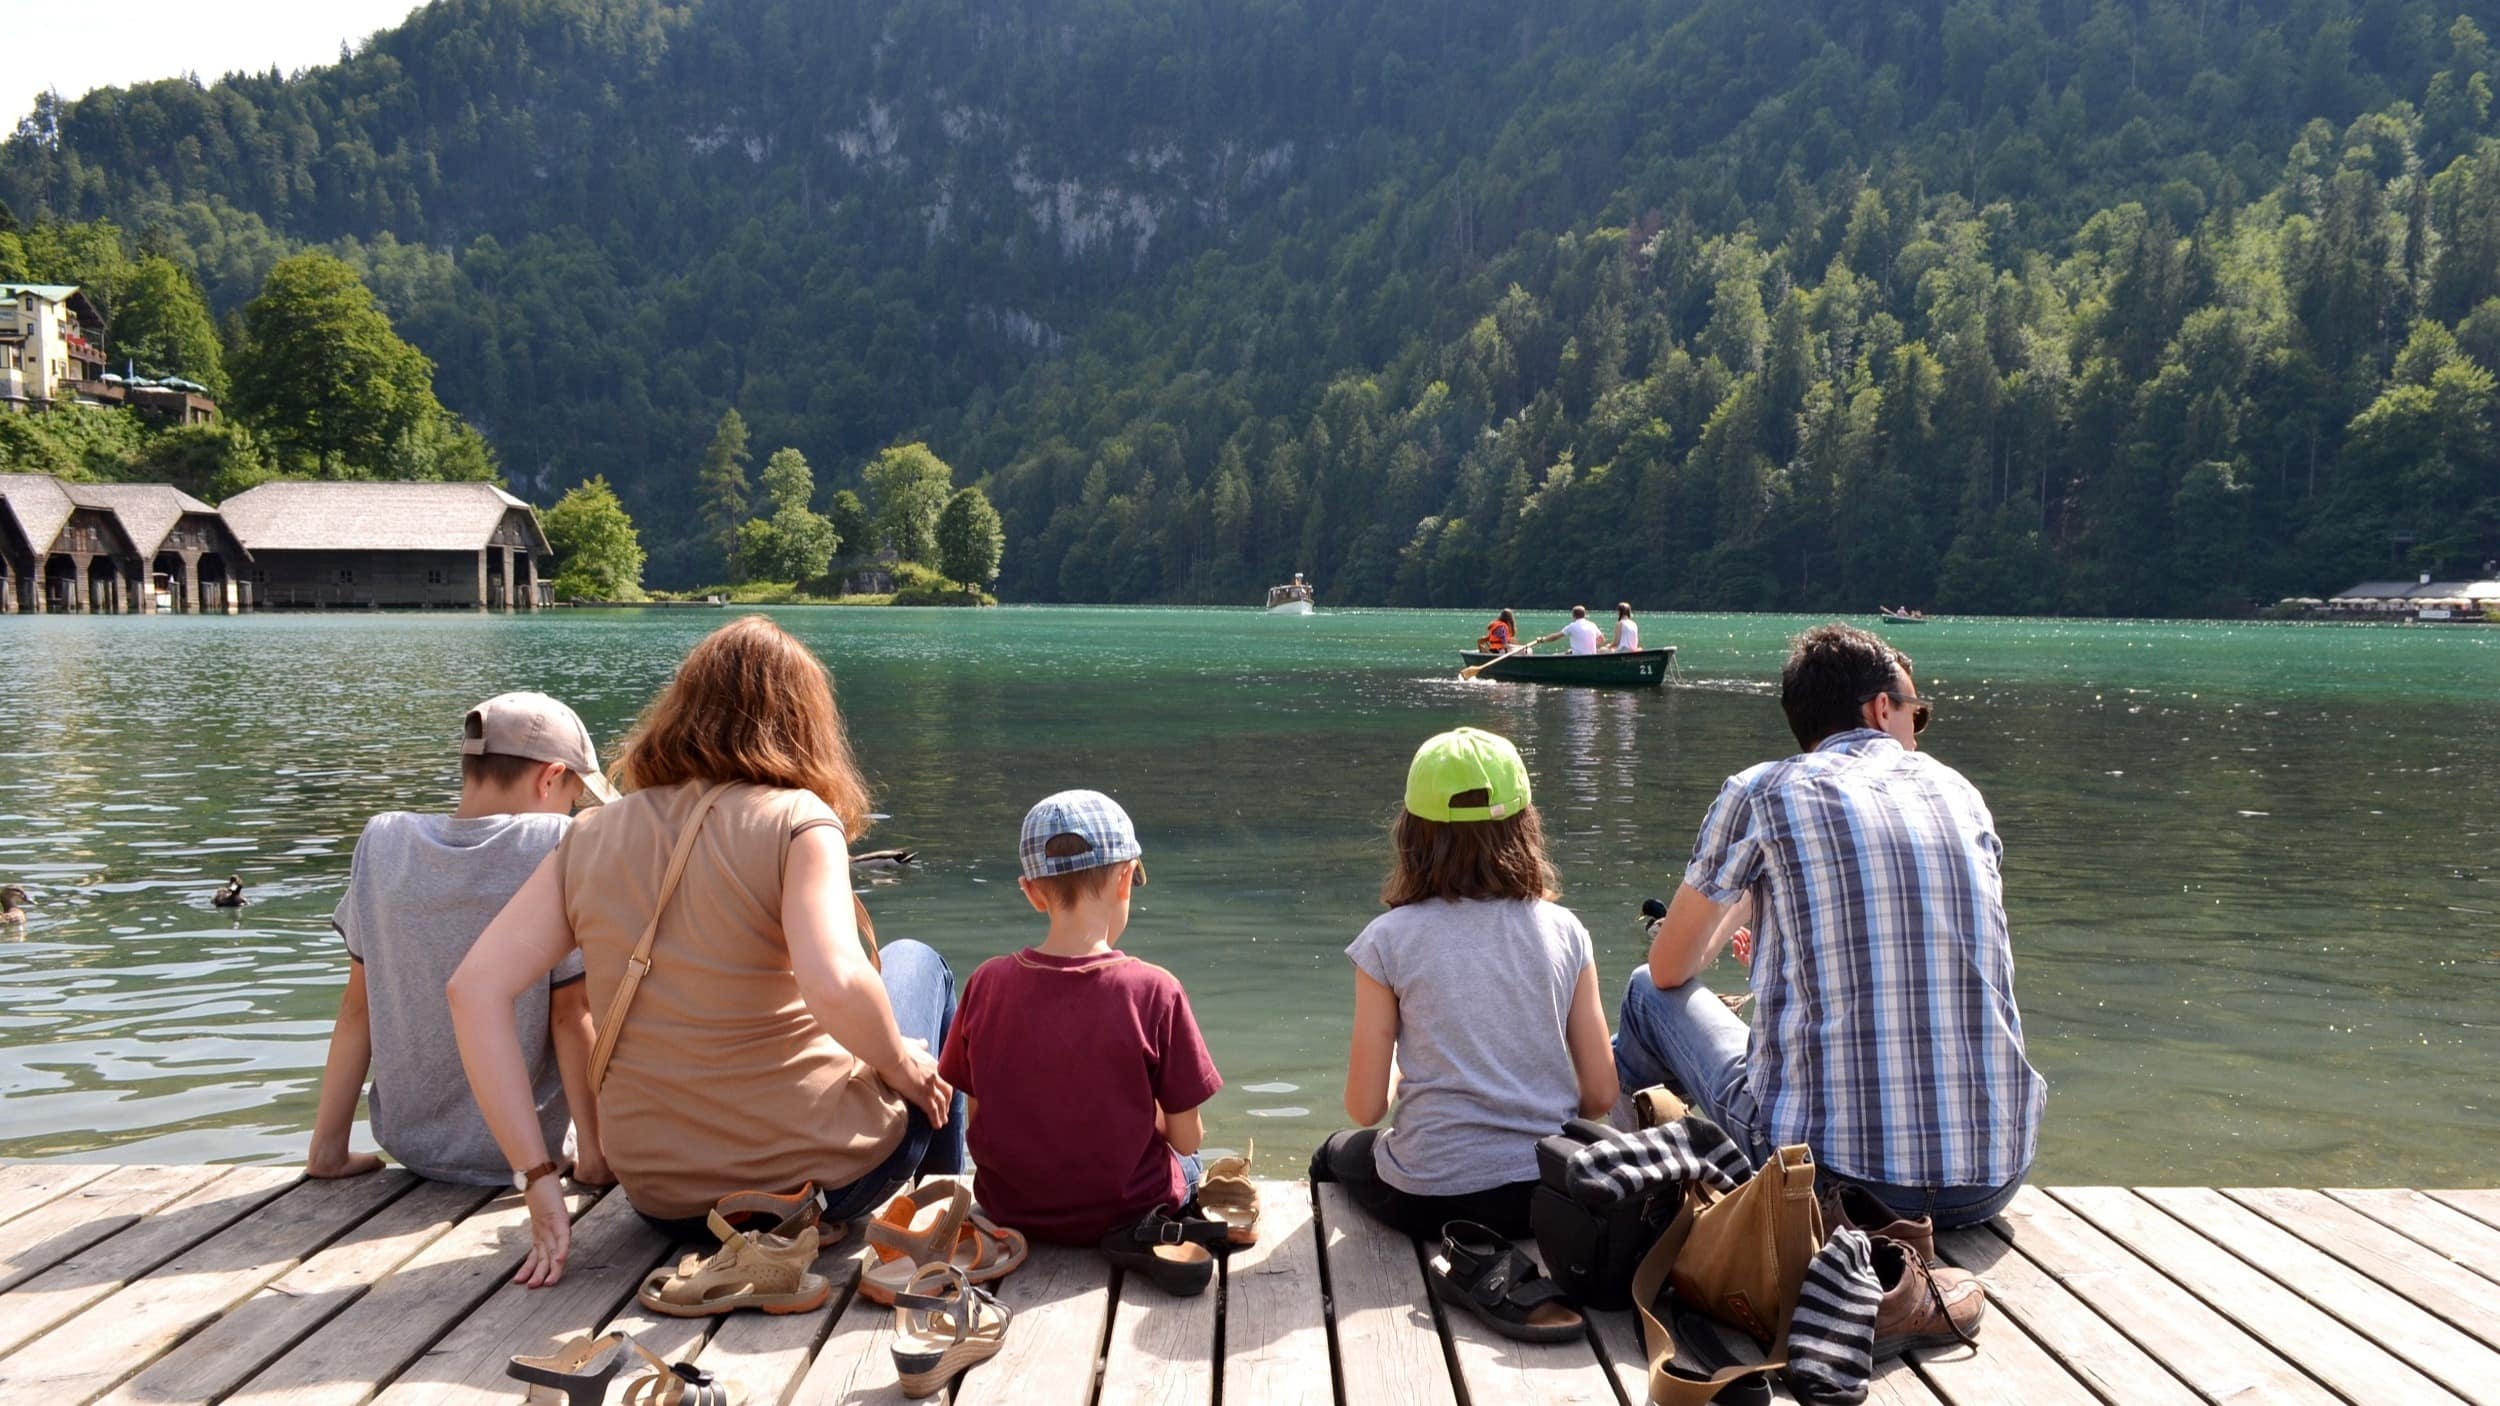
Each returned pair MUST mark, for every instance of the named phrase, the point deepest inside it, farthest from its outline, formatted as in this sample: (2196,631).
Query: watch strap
(531,1177)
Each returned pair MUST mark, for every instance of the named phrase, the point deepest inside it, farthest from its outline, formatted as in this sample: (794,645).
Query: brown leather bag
(1749,1248)
(1741,1258)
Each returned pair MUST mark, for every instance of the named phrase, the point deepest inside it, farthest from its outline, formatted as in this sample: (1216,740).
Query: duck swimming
(12,907)
(886,859)
(231,896)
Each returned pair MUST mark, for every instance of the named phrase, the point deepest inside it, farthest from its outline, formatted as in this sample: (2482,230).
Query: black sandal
(581,1369)
(1483,1273)
(1176,1252)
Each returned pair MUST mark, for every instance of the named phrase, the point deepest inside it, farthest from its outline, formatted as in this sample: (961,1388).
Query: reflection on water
(2256,914)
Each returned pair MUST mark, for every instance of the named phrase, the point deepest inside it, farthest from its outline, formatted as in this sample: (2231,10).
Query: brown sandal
(760,1269)
(1226,1193)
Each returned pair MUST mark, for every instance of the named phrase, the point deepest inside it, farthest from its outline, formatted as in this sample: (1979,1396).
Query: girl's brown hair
(1466,859)
(748,704)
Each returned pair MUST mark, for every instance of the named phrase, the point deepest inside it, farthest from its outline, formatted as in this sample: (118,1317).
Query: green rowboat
(1632,668)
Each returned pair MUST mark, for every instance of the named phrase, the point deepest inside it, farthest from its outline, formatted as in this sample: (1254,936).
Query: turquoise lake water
(2251,869)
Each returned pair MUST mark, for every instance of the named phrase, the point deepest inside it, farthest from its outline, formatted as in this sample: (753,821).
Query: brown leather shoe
(1857,1207)
(1923,1305)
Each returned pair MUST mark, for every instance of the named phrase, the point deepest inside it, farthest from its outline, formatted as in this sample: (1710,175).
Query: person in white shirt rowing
(1581,636)
(1627,629)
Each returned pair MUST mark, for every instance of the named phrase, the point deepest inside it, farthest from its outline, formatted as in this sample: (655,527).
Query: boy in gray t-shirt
(420,890)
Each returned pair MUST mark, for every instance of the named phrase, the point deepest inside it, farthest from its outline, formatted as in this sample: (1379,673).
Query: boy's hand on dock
(1742,945)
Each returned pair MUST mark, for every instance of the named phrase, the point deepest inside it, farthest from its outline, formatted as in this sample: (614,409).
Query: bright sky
(77,45)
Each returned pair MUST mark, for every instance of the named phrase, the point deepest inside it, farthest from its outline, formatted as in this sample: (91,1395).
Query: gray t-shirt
(1484,990)
(419,892)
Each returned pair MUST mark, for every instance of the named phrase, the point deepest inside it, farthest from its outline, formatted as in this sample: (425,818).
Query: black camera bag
(1592,1251)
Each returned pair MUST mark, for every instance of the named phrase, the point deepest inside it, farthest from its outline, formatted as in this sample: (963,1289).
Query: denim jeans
(921,989)
(1687,1038)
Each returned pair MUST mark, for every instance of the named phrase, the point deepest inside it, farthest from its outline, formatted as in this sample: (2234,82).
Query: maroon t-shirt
(1069,1057)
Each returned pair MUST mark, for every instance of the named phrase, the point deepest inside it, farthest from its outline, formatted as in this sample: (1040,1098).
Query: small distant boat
(1628,668)
(1290,600)
(1902,616)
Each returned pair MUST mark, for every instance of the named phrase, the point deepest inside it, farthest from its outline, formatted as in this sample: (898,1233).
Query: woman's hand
(551,1235)
(918,1082)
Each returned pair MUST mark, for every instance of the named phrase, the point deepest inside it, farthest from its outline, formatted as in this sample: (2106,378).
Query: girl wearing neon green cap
(1476,1004)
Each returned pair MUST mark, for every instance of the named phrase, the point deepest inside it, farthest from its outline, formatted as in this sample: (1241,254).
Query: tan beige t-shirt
(722,1080)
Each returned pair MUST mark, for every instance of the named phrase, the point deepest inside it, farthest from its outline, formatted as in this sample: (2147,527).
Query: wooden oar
(1474,669)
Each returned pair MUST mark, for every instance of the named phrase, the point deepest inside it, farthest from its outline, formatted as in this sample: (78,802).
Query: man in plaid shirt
(1884,1033)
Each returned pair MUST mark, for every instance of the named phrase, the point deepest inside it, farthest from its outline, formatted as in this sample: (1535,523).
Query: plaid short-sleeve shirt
(1884,1031)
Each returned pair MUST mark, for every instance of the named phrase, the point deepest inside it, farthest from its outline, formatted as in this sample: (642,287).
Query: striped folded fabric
(1831,1339)
(1692,1148)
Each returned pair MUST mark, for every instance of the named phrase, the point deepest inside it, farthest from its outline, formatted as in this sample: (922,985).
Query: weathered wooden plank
(27,1185)
(1494,1368)
(2482,1204)
(612,1250)
(2466,1367)
(1061,1298)
(1896,1383)
(36,1304)
(96,1210)
(371,1340)
(2446,1231)
(2006,1364)
(124,1331)
(1275,1318)
(2085,1346)
(2346,1361)
(1388,1347)
(2435,1283)
(1161,1350)
(856,1363)
(259,1330)
(2199,1345)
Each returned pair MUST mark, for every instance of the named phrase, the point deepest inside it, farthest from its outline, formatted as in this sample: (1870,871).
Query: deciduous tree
(970,539)
(598,552)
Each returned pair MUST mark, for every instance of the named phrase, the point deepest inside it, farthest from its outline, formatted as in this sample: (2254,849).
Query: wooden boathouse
(91,548)
(390,546)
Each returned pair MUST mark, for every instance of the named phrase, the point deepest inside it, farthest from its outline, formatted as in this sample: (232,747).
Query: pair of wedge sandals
(760,1269)
(581,1370)
(935,1227)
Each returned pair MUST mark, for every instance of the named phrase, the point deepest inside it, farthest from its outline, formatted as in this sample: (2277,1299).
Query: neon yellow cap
(1464,760)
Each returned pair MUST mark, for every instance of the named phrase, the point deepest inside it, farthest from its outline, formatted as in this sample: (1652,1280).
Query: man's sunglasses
(1920,712)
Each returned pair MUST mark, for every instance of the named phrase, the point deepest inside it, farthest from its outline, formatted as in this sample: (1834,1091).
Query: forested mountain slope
(2003,304)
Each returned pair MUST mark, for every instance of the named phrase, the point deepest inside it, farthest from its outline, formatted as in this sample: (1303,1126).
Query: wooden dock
(152,1284)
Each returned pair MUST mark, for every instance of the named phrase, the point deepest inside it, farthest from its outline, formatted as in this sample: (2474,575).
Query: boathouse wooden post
(509,566)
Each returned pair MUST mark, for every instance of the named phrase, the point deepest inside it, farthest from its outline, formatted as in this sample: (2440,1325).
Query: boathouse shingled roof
(148,510)
(42,506)
(372,517)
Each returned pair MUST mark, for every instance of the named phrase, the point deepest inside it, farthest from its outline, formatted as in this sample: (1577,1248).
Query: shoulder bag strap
(640,963)
(867,931)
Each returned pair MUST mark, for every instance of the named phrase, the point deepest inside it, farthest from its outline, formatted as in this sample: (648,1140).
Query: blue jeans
(921,989)
(1193,1171)
(1686,1037)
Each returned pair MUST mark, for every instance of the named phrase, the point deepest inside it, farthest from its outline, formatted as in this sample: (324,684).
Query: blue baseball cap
(1090,816)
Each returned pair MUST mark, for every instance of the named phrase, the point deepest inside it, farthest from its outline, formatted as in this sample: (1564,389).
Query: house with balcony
(52,355)
(51,344)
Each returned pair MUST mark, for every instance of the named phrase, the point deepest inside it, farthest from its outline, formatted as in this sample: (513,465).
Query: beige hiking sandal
(1226,1193)
(759,1269)
(942,1325)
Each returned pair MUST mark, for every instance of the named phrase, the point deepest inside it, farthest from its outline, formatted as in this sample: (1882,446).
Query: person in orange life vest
(1502,635)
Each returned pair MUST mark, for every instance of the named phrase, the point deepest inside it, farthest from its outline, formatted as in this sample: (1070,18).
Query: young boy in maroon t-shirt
(1081,1066)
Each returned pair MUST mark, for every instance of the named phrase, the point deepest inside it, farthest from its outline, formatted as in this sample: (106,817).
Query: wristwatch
(523,1181)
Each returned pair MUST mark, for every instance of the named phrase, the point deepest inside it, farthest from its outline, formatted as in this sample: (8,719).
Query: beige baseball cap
(538,728)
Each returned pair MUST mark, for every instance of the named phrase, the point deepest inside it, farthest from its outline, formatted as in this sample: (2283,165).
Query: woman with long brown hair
(760,1046)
